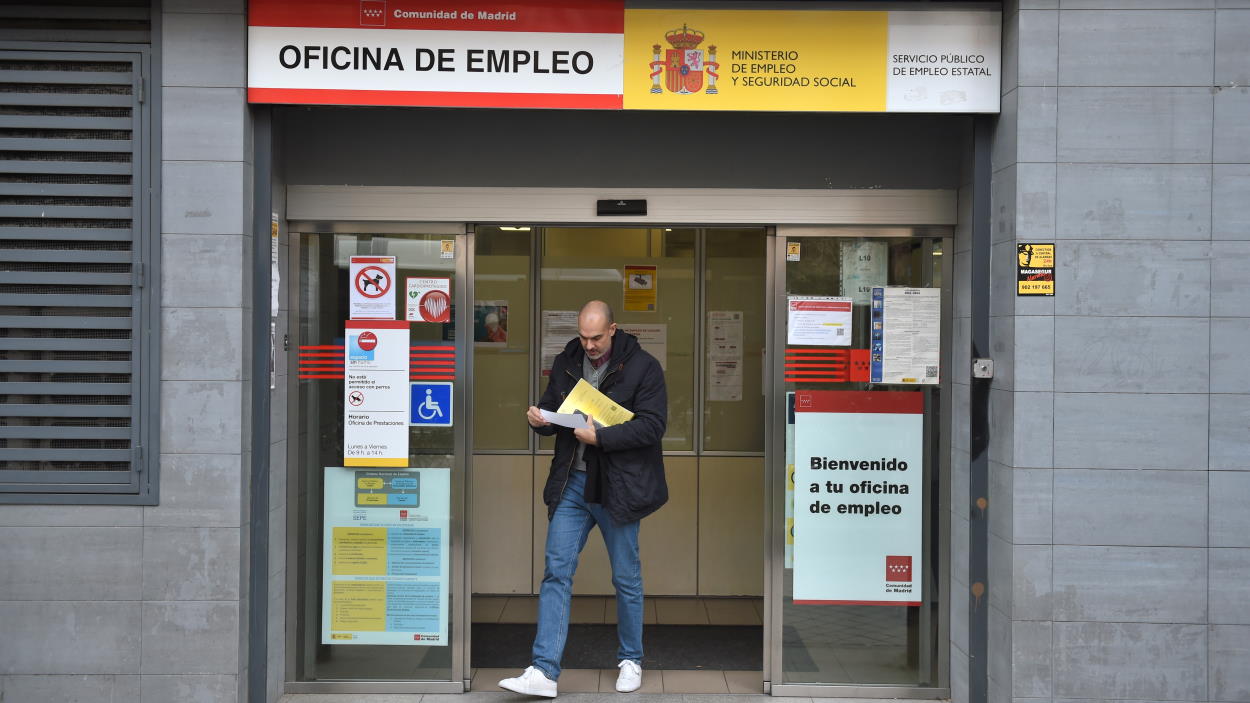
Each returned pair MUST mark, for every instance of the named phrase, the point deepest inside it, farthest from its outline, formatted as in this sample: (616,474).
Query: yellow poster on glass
(794,60)
(640,288)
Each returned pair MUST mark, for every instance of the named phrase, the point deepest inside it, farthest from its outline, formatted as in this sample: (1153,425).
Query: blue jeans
(566,535)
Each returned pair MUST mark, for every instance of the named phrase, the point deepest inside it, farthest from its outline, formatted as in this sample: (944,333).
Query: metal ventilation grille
(69,281)
(75,20)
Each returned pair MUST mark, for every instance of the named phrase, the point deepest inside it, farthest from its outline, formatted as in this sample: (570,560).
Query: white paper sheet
(573,420)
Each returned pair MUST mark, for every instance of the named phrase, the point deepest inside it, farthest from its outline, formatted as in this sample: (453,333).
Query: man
(606,476)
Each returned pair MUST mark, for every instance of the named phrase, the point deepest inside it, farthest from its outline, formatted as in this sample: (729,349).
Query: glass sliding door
(860,367)
(381,341)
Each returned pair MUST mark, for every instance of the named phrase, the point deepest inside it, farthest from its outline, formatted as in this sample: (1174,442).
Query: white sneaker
(532,682)
(630,679)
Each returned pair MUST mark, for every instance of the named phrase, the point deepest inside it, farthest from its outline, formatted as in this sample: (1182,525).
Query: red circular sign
(435,306)
(367,340)
(373,282)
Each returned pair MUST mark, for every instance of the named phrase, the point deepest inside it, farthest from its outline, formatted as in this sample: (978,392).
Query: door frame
(462,440)
(775,473)
(455,211)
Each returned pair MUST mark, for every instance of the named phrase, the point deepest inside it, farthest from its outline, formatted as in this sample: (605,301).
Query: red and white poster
(511,53)
(375,393)
(372,293)
(858,497)
(429,299)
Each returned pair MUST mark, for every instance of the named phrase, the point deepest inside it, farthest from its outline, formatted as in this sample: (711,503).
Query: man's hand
(535,417)
(587,435)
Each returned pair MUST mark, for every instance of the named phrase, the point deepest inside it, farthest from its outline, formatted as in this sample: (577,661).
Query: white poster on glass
(859,497)
(559,326)
(386,556)
(375,393)
(372,293)
(906,333)
(653,338)
(818,320)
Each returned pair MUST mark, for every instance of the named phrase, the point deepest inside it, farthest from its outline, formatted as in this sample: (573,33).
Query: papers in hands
(573,420)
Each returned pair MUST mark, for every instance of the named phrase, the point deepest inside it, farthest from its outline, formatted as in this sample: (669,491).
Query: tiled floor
(604,681)
(591,610)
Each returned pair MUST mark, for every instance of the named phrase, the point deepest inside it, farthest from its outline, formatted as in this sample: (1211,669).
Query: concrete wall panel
(1130,431)
(1168,584)
(70,563)
(1120,278)
(1137,508)
(1134,201)
(1113,47)
(1142,661)
(1134,125)
(37,635)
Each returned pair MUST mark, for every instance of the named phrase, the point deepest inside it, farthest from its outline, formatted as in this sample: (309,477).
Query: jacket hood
(624,345)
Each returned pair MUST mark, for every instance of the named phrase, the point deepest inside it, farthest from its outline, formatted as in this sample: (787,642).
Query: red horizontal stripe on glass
(432,378)
(322,346)
(339,377)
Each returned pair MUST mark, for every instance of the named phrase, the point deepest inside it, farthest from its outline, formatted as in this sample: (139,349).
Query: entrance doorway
(696,299)
(721,610)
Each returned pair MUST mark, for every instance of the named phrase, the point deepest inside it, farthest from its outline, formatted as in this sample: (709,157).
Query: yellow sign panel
(640,288)
(796,60)
(1035,269)
(358,606)
(359,551)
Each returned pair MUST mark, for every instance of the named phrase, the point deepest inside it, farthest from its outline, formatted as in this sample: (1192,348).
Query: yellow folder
(588,401)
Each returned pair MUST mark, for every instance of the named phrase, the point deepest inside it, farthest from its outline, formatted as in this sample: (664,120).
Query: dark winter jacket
(629,458)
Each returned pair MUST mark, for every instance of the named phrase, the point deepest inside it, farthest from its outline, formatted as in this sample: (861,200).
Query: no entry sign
(373,288)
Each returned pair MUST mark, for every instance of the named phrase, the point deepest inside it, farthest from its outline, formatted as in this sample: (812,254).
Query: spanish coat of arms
(682,66)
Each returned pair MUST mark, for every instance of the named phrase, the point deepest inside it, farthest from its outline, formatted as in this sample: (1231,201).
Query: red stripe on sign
(373,259)
(593,16)
(858,602)
(376,325)
(414,98)
(819,305)
(899,402)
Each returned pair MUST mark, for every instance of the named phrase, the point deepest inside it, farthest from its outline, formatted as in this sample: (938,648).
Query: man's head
(595,328)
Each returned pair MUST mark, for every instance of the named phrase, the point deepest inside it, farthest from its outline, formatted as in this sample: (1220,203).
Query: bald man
(610,477)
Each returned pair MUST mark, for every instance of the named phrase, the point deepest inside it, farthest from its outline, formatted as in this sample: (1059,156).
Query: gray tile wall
(1125,473)
(148,603)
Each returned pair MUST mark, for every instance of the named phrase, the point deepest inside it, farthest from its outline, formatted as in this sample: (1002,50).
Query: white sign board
(818,320)
(724,355)
(859,497)
(559,326)
(372,293)
(375,393)
(653,338)
(386,556)
(428,299)
(906,335)
(863,268)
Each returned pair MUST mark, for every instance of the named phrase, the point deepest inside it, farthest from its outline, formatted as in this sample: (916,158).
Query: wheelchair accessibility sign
(430,404)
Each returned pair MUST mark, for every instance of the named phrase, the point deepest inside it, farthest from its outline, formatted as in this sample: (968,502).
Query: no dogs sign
(373,288)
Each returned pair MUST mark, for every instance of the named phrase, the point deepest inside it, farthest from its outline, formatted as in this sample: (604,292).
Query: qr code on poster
(841,332)
(930,372)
